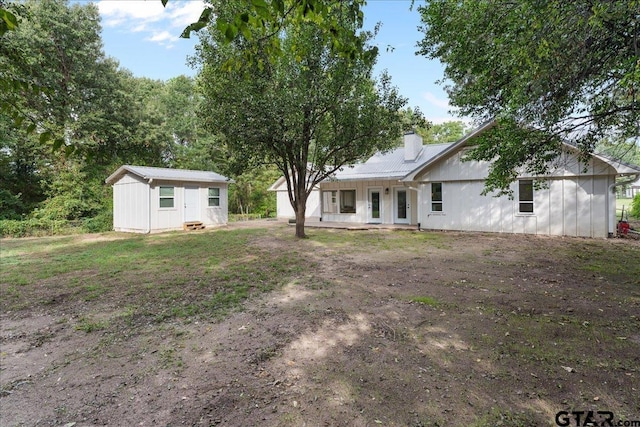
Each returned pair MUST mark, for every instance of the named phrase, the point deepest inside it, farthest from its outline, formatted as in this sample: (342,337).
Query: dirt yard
(390,328)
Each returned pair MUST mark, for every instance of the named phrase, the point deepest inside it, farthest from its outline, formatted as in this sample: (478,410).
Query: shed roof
(167,174)
(390,165)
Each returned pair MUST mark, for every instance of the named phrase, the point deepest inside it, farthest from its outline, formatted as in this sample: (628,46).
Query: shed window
(166,197)
(525,196)
(347,201)
(330,201)
(214,197)
(436,197)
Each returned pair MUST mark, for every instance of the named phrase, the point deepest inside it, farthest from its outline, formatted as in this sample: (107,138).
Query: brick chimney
(412,146)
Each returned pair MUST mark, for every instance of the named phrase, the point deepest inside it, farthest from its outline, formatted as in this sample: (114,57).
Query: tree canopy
(548,72)
(307,109)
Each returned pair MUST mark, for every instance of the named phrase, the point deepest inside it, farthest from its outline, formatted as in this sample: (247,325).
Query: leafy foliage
(560,70)
(635,207)
(307,110)
(260,24)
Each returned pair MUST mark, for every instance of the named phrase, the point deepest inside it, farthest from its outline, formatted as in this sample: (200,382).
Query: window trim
(355,201)
(526,202)
(162,197)
(439,201)
(210,198)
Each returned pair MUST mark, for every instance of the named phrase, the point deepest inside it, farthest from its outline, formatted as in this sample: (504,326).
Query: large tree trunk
(300,209)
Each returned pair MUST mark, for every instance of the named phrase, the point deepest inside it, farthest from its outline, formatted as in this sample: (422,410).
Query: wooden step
(193,225)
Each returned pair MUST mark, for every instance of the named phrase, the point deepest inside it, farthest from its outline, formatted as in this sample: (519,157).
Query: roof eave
(411,176)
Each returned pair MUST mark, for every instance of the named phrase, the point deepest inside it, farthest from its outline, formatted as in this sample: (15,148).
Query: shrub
(99,223)
(32,227)
(635,207)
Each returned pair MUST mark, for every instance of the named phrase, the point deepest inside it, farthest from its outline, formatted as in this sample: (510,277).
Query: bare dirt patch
(396,328)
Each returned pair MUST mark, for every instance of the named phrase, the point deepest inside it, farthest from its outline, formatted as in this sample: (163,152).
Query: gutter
(610,192)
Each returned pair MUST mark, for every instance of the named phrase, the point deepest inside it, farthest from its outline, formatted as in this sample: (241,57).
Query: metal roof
(389,165)
(167,174)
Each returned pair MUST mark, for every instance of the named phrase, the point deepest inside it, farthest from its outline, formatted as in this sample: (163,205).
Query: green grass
(426,300)
(171,275)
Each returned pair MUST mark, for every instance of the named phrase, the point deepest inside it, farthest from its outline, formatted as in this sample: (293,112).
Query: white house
(429,186)
(147,199)
(284,210)
(633,189)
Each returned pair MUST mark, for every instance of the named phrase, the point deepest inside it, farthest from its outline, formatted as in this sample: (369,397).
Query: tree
(548,71)
(260,24)
(79,99)
(306,110)
(444,132)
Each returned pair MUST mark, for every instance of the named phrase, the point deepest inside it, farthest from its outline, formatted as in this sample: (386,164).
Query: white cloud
(156,23)
(164,38)
(434,100)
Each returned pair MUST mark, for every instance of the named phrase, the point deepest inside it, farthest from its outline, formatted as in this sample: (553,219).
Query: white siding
(136,205)
(131,205)
(285,210)
(568,207)
(362,190)
(172,218)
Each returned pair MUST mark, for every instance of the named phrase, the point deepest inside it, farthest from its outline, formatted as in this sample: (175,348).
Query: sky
(144,37)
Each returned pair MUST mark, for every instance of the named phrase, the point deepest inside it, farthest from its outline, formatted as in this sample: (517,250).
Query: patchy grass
(426,300)
(254,327)
(172,275)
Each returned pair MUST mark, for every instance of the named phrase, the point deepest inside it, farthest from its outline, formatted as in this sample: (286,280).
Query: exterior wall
(387,204)
(575,206)
(285,210)
(136,205)
(163,219)
(575,203)
(131,205)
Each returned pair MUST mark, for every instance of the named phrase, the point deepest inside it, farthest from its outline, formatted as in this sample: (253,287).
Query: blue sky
(143,37)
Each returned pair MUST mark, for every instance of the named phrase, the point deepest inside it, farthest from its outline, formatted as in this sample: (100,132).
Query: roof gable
(166,174)
(620,167)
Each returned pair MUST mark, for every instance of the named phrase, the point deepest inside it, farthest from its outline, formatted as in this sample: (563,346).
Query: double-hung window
(436,197)
(166,197)
(525,196)
(214,197)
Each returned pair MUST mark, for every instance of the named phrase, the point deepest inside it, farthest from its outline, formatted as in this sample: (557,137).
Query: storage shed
(148,199)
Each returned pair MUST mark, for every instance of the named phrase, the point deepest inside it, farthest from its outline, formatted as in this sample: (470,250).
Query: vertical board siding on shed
(130,205)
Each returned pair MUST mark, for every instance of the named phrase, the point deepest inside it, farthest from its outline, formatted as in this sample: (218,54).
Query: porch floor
(354,226)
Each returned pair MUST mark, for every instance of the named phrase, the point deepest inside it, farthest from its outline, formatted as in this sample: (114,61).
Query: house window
(347,201)
(214,197)
(525,196)
(330,201)
(436,197)
(166,197)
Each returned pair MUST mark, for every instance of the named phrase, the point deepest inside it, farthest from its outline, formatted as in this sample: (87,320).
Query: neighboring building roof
(391,165)
(167,174)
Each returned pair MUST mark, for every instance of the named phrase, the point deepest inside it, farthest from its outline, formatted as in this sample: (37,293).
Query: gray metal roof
(391,165)
(166,174)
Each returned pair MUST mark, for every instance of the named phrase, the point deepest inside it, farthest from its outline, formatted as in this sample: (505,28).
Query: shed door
(191,204)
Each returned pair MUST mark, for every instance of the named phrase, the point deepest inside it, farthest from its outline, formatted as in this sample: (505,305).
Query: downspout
(610,192)
(149,208)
